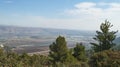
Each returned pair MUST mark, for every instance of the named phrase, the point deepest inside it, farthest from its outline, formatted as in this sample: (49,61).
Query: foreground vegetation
(102,54)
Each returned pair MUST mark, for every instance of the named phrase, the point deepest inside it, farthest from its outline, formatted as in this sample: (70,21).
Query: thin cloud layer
(100,10)
(83,16)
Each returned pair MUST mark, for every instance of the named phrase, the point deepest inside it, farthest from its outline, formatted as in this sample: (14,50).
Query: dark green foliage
(79,52)
(105,37)
(59,52)
(24,60)
(39,60)
(89,53)
(106,58)
(98,59)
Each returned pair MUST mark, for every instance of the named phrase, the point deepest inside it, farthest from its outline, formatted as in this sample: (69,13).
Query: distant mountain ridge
(29,31)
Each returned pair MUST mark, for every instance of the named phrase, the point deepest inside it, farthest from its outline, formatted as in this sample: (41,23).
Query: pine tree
(58,50)
(59,53)
(79,52)
(105,37)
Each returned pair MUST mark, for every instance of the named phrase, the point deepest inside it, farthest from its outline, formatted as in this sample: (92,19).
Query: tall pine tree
(59,51)
(105,37)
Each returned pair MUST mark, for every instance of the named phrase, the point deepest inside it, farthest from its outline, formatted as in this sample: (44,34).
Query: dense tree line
(12,59)
(60,54)
(102,54)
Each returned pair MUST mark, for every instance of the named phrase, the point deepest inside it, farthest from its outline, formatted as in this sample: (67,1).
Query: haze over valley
(34,39)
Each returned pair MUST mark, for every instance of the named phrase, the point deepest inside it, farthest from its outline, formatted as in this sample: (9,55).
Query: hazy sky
(65,14)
